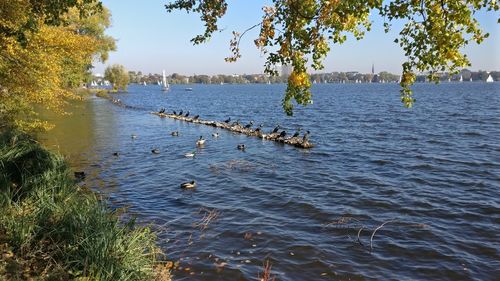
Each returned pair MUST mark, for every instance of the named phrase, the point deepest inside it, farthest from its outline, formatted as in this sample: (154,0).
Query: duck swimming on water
(155,151)
(215,135)
(190,154)
(133,136)
(241,146)
(175,133)
(200,141)
(188,185)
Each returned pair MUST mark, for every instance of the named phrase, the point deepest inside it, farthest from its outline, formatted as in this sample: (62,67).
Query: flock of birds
(275,133)
(200,142)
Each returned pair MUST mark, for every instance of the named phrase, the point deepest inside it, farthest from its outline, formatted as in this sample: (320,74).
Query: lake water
(432,173)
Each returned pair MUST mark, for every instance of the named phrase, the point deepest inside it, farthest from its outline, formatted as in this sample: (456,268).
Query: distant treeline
(333,77)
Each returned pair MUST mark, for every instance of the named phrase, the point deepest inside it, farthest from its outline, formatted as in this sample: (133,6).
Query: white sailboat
(461,78)
(145,84)
(489,79)
(166,86)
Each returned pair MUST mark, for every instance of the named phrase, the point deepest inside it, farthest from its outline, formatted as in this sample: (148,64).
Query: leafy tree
(43,55)
(298,33)
(118,76)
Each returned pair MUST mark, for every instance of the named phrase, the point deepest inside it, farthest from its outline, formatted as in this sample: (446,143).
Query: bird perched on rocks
(297,133)
(249,125)
(306,137)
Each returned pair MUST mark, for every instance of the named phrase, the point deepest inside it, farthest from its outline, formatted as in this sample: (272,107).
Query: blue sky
(150,39)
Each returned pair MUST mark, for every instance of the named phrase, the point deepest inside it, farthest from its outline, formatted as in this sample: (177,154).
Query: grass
(54,229)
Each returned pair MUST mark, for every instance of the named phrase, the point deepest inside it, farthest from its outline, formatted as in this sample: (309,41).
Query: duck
(215,135)
(175,133)
(228,120)
(80,175)
(133,136)
(297,133)
(276,129)
(196,117)
(116,154)
(187,114)
(190,154)
(282,134)
(155,151)
(241,146)
(249,125)
(200,141)
(306,137)
(188,185)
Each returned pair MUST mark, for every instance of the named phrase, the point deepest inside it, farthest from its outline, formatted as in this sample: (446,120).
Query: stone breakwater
(237,128)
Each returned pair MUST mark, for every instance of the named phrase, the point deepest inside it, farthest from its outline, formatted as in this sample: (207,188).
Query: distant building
(375,77)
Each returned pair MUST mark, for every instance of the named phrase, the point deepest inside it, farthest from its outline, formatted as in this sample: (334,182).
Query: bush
(61,230)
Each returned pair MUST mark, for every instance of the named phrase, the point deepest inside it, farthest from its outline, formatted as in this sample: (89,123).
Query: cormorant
(276,129)
(228,120)
(196,117)
(187,114)
(297,133)
(306,137)
(249,125)
(282,134)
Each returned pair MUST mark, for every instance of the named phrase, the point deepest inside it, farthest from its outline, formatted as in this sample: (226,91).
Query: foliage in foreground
(47,49)
(55,229)
(298,33)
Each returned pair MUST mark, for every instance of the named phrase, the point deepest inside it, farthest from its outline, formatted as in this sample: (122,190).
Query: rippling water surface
(432,173)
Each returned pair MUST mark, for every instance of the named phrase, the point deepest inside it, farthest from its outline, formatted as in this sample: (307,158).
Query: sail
(166,86)
(489,79)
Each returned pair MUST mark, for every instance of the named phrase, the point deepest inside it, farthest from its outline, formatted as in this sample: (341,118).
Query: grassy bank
(53,229)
